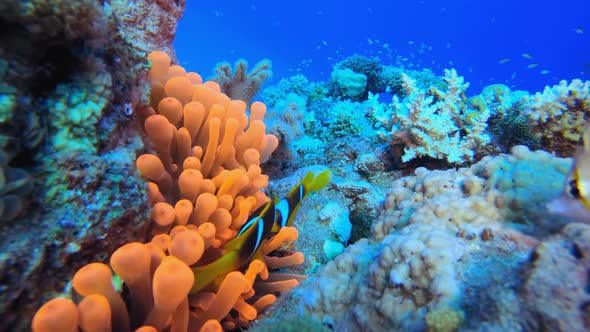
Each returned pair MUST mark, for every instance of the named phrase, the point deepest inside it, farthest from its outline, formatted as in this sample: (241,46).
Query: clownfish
(574,201)
(265,221)
(286,207)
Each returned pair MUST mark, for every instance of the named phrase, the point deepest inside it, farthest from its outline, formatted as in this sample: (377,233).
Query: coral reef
(382,78)
(101,204)
(71,77)
(298,85)
(242,85)
(510,182)
(513,128)
(566,251)
(288,118)
(370,67)
(345,118)
(507,123)
(15,186)
(150,24)
(295,324)
(560,114)
(436,124)
(349,84)
(389,245)
(425,78)
(76,109)
(444,251)
(448,250)
(307,122)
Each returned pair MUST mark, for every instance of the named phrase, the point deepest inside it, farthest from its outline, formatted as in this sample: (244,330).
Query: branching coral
(560,112)
(242,85)
(437,124)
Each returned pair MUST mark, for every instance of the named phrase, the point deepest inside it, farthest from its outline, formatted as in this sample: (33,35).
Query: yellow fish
(574,201)
(265,221)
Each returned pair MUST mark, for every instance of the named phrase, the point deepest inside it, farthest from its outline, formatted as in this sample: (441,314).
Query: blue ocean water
(524,44)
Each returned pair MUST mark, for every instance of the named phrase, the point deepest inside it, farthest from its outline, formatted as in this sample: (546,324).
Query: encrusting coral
(370,67)
(349,84)
(151,25)
(205,180)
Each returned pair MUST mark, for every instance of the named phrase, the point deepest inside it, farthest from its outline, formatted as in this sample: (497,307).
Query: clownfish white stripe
(259,235)
(283,207)
(247,225)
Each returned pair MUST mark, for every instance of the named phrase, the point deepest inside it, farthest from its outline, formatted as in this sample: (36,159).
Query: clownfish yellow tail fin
(315,183)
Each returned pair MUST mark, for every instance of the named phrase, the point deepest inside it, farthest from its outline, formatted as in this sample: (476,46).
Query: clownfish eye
(574,190)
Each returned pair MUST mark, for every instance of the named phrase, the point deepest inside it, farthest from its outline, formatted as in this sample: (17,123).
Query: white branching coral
(438,124)
(560,110)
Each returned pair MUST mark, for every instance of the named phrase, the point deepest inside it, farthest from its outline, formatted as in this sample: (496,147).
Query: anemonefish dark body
(240,249)
(265,221)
